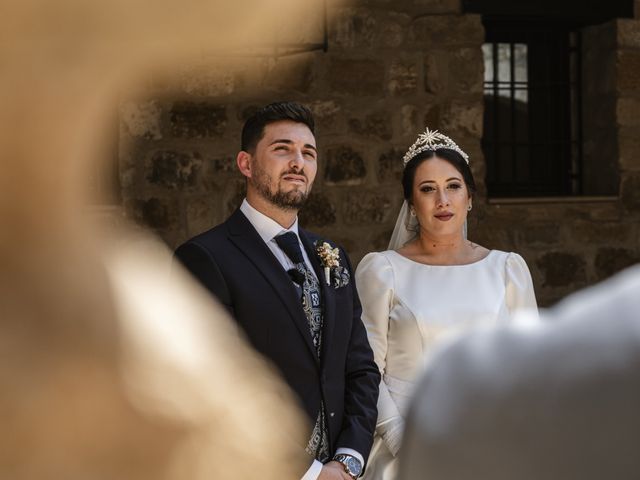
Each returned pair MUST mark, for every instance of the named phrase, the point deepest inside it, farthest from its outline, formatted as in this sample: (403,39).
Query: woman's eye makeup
(451,186)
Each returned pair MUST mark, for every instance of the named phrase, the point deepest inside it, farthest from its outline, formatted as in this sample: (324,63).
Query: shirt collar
(266,227)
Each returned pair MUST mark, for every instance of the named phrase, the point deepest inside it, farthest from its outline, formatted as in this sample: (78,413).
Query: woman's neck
(442,250)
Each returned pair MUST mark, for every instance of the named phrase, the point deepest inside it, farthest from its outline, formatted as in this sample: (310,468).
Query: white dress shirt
(269,229)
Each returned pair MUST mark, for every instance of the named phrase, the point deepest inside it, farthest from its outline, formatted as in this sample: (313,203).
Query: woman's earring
(469,207)
(412,212)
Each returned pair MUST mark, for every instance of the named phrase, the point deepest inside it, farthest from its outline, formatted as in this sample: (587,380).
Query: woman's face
(440,198)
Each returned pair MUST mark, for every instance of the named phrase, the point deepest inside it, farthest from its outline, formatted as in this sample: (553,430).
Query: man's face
(284,164)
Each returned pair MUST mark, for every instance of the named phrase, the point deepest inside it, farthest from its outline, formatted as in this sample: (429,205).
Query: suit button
(332,414)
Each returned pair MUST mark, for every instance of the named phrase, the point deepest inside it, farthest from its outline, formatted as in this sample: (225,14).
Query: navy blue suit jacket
(234,263)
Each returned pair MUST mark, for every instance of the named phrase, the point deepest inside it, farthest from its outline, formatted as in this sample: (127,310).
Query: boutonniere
(330,260)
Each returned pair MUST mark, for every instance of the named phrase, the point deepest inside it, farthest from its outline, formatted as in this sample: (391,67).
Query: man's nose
(297,159)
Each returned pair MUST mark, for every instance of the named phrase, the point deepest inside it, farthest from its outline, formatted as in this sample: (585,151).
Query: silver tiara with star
(432,140)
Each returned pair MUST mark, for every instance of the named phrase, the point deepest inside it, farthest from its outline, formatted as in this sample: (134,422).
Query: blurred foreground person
(105,372)
(116,373)
(553,400)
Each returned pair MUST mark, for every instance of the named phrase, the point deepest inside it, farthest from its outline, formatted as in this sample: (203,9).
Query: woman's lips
(445,217)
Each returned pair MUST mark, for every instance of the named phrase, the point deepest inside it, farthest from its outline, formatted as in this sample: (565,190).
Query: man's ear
(243,160)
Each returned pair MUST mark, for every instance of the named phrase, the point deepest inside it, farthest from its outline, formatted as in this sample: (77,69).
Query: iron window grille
(532,117)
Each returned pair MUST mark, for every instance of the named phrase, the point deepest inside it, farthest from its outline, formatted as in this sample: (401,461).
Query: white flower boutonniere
(330,260)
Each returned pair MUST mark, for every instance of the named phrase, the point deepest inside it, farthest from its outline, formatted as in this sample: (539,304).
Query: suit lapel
(328,294)
(249,242)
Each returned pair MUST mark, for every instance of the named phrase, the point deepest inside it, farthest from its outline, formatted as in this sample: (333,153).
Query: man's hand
(333,471)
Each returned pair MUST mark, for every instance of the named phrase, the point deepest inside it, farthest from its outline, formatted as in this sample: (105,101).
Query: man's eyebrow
(289,142)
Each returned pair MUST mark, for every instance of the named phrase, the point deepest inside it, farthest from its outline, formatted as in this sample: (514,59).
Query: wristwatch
(351,464)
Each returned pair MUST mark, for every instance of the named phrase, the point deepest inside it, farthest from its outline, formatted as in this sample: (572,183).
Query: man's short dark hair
(253,129)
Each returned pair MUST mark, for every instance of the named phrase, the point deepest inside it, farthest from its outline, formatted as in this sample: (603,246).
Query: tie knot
(290,245)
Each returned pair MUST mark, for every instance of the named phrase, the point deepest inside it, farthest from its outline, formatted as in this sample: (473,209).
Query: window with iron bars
(532,138)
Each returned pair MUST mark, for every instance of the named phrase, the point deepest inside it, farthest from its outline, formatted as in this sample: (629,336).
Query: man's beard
(291,200)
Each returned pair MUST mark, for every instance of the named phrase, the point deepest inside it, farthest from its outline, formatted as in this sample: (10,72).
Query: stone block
(243,113)
(438,30)
(155,213)
(628,148)
(628,32)
(391,30)
(348,243)
(290,73)
(539,235)
(561,269)
(466,71)
(173,169)
(318,211)
(464,118)
(325,109)
(628,68)
(201,215)
(403,77)
(432,117)
(612,260)
(490,234)
(606,212)
(345,166)
(234,193)
(197,120)
(353,27)
(410,123)
(375,125)
(328,117)
(356,77)
(143,119)
(127,176)
(367,208)
(435,73)
(627,112)
(439,6)
(603,233)
(381,240)
(225,164)
(390,167)
(630,192)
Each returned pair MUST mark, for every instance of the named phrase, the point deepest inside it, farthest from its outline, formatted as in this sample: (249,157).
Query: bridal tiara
(432,140)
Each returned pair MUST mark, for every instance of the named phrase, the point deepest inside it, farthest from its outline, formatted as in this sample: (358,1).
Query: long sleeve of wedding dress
(374,278)
(519,293)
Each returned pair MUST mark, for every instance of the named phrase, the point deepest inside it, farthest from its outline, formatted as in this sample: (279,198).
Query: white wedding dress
(407,305)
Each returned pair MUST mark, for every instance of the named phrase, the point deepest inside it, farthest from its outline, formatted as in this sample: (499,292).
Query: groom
(297,303)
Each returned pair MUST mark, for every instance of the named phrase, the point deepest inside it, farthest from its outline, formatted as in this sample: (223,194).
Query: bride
(431,280)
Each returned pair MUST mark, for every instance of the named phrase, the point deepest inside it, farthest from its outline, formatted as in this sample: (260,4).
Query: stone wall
(391,68)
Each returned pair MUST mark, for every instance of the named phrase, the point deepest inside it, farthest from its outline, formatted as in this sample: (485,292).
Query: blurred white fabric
(554,399)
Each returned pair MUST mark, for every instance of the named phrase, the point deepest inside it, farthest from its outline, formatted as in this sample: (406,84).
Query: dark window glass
(532,132)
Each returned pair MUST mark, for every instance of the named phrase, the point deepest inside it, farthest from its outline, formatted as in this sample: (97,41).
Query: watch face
(354,466)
